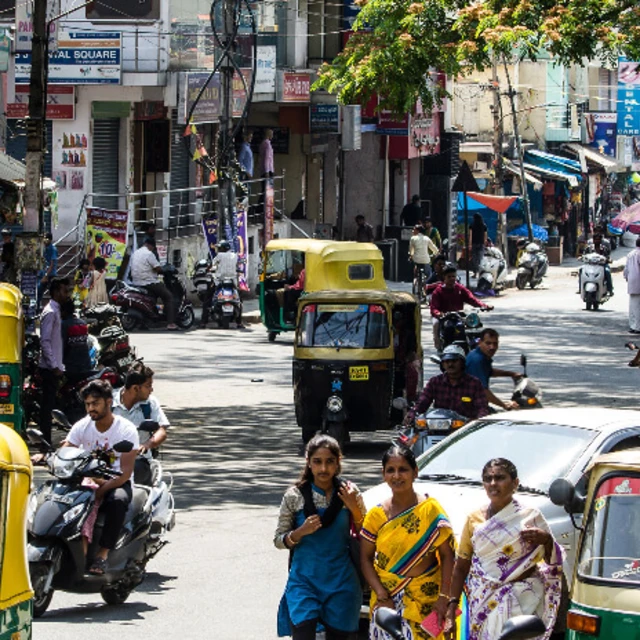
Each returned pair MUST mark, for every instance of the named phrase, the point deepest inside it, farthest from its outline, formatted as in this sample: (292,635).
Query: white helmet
(453,352)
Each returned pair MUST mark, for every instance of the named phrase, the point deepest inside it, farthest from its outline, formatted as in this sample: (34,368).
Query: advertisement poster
(268,212)
(628,98)
(208,107)
(61,100)
(601,132)
(242,248)
(210,230)
(107,237)
(70,159)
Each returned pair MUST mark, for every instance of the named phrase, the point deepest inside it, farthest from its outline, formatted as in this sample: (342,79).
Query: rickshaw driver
(289,294)
(453,389)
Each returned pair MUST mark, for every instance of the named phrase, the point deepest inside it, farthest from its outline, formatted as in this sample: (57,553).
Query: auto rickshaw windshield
(344,326)
(611,545)
(284,262)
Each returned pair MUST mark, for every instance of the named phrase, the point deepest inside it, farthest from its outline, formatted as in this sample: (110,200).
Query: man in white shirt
(100,430)
(144,273)
(136,403)
(421,250)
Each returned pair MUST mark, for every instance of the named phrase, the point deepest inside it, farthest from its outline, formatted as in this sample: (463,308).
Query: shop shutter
(180,165)
(105,165)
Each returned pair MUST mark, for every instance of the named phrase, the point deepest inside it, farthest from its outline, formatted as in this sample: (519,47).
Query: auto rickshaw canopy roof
(627,459)
(370,296)
(331,264)
(11,325)
(15,475)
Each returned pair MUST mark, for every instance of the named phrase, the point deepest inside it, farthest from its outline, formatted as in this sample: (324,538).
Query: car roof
(598,419)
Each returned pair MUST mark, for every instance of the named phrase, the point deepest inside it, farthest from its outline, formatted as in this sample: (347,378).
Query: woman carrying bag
(317,517)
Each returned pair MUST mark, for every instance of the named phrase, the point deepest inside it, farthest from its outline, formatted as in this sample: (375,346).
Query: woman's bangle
(443,595)
(292,542)
(455,601)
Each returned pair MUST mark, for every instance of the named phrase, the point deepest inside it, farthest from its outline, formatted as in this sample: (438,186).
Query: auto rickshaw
(15,588)
(354,352)
(327,264)
(12,332)
(605,594)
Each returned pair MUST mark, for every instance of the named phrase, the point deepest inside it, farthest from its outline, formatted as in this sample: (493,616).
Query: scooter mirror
(399,403)
(523,360)
(123,447)
(60,419)
(522,628)
(35,436)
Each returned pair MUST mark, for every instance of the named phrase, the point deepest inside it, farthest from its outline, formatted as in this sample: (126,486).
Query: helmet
(453,352)
(224,246)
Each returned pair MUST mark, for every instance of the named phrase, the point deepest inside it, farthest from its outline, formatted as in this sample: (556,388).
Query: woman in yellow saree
(407,550)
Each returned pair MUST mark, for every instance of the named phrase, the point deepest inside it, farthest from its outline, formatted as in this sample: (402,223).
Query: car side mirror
(123,447)
(522,627)
(563,493)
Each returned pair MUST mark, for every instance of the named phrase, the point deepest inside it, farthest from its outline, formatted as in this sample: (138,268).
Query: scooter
(57,511)
(493,270)
(592,280)
(141,308)
(463,329)
(532,266)
(226,306)
(428,429)
(526,393)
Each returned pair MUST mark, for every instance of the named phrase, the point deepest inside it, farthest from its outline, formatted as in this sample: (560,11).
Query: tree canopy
(398,45)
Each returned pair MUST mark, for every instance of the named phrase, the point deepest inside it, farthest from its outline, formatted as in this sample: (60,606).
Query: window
(284,264)
(344,326)
(360,272)
(611,546)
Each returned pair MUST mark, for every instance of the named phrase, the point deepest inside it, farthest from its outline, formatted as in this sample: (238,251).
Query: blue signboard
(601,132)
(324,118)
(81,58)
(628,97)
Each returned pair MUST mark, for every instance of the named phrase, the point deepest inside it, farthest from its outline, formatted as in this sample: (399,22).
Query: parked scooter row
(58,510)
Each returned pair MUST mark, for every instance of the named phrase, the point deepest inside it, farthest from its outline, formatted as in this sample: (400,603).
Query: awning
(589,154)
(496,203)
(549,174)
(14,171)
(552,162)
(515,170)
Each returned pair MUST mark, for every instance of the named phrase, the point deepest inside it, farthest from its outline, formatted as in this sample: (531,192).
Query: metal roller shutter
(105,165)
(180,164)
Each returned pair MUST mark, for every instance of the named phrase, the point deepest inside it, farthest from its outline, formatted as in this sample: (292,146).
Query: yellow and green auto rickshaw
(605,594)
(354,352)
(326,265)
(15,589)
(12,332)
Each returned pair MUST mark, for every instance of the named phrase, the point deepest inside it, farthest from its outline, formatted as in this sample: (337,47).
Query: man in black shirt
(478,241)
(411,213)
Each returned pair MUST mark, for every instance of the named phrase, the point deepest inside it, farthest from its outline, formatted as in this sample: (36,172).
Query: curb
(252,317)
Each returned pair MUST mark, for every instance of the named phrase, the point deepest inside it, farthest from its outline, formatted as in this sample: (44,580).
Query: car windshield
(611,545)
(344,326)
(467,451)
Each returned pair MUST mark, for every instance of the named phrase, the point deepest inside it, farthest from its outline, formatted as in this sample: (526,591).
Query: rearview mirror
(35,436)
(523,360)
(562,492)
(60,419)
(123,447)
(522,628)
(390,621)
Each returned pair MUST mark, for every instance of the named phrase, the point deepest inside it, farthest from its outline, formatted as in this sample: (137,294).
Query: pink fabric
(90,522)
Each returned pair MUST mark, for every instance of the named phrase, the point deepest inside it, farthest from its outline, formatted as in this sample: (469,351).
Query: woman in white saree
(509,559)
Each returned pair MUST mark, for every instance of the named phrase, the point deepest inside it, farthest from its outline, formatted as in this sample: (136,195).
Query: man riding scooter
(453,389)
(101,430)
(136,402)
(225,268)
(602,247)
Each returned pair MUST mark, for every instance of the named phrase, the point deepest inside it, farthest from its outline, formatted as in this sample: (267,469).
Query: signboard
(600,132)
(208,107)
(628,97)
(210,230)
(265,69)
(24,24)
(61,102)
(293,87)
(81,58)
(388,125)
(239,94)
(107,237)
(425,134)
(324,118)
(242,248)
(269,196)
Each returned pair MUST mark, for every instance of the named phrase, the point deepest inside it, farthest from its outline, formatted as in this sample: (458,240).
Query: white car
(544,444)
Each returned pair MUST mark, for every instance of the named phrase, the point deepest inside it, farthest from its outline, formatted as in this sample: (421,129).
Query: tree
(398,44)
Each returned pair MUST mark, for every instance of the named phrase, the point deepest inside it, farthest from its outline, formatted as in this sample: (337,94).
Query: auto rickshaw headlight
(5,387)
(334,404)
(583,622)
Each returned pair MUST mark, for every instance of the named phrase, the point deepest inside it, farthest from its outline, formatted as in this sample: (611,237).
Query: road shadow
(98,611)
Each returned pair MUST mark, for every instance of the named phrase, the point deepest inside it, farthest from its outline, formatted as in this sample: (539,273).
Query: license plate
(359,373)
(123,362)
(53,497)
(6,409)
(228,308)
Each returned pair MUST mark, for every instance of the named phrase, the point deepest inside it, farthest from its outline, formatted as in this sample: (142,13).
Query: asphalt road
(234,448)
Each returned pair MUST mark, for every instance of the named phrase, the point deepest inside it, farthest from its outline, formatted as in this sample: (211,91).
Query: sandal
(631,345)
(98,567)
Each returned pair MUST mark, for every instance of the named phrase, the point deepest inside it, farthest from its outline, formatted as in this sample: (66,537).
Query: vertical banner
(107,237)
(210,230)
(242,247)
(628,98)
(268,211)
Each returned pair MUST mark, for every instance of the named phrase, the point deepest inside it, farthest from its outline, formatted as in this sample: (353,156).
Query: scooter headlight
(73,513)
(334,404)
(63,469)
(439,425)
(472,321)
(32,505)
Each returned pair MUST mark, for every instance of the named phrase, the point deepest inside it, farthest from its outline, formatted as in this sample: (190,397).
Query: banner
(628,98)
(269,196)
(242,248)
(107,237)
(210,230)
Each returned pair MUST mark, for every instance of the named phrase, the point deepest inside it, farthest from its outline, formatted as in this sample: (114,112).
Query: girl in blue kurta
(316,517)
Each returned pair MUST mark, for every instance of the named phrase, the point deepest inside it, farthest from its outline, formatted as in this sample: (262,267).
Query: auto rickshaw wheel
(272,336)
(38,573)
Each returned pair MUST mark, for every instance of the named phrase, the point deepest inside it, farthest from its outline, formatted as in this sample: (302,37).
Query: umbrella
(628,219)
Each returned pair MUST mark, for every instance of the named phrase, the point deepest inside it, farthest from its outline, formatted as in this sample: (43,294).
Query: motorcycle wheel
(186,318)
(591,301)
(129,323)
(115,595)
(521,281)
(534,283)
(225,321)
(38,572)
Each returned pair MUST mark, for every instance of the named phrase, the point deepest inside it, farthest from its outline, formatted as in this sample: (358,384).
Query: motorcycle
(532,266)
(592,280)
(226,306)
(141,308)
(463,329)
(428,429)
(493,270)
(57,511)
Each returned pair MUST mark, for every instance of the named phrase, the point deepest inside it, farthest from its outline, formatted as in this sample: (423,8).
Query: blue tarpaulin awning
(553,167)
